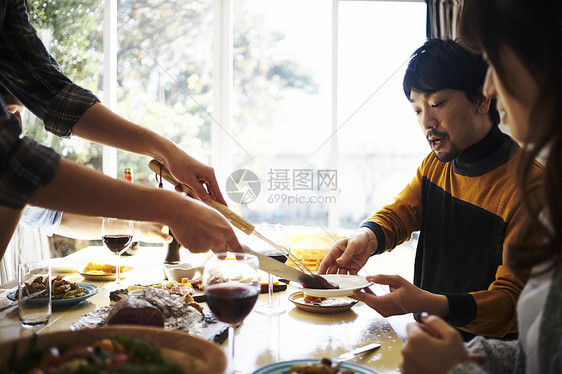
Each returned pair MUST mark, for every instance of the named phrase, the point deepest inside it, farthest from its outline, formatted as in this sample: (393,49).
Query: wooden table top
(261,339)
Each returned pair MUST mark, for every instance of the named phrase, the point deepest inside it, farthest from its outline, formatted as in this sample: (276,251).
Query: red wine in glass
(117,243)
(231,303)
(117,235)
(232,286)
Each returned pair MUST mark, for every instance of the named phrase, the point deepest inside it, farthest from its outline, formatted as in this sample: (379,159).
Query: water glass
(34,294)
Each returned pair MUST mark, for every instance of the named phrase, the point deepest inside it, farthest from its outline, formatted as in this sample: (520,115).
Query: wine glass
(279,235)
(117,235)
(231,286)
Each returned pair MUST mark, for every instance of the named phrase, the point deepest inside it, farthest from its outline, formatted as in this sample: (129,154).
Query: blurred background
(297,104)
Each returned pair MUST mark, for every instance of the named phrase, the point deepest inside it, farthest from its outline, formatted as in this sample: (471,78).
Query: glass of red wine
(279,235)
(117,235)
(232,286)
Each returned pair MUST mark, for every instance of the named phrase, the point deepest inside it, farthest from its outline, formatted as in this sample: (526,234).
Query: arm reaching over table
(195,225)
(31,173)
(89,228)
(101,125)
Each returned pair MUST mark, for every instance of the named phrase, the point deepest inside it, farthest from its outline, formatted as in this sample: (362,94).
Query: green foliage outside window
(164,73)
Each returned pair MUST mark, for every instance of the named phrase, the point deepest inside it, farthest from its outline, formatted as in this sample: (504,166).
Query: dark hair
(533,30)
(442,64)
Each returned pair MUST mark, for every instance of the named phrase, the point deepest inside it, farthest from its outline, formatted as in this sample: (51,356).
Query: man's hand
(350,254)
(432,347)
(403,298)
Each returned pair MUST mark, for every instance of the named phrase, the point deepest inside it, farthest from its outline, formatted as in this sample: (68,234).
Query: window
(321,121)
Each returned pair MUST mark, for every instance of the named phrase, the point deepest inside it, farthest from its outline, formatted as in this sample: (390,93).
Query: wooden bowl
(194,354)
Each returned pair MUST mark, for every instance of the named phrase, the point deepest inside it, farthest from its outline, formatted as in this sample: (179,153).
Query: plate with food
(66,293)
(323,305)
(345,285)
(313,366)
(148,347)
(103,272)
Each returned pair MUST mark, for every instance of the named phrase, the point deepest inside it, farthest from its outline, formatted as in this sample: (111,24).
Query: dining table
(260,339)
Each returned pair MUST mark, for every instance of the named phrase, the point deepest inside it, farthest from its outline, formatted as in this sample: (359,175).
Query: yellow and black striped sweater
(466,211)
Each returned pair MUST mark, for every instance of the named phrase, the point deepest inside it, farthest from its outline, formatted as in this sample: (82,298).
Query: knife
(281,270)
(349,355)
(15,303)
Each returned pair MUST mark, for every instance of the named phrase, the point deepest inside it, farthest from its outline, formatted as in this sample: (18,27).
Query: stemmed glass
(117,235)
(231,287)
(279,235)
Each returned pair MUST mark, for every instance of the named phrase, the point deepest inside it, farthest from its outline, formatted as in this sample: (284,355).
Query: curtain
(26,245)
(443,17)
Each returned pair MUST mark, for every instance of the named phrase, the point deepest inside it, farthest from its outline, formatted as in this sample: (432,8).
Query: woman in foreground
(521,39)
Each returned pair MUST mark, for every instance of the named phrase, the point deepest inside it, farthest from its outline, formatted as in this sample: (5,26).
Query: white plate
(348,283)
(331,305)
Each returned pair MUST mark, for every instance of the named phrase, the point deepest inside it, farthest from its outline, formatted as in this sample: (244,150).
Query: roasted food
(313,299)
(177,314)
(185,290)
(324,367)
(131,311)
(325,284)
(60,288)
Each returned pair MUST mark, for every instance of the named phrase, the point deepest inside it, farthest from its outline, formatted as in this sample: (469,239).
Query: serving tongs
(163,173)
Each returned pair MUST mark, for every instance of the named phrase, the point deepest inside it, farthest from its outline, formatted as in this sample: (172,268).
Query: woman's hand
(151,232)
(198,176)
(432,347)
(199,227)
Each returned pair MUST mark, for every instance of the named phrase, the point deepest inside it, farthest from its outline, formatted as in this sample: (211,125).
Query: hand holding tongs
(239,222)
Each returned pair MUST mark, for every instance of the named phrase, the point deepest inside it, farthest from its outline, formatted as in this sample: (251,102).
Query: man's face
(450,122)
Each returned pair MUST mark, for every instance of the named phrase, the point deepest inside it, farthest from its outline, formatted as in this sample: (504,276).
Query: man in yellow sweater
(464,201)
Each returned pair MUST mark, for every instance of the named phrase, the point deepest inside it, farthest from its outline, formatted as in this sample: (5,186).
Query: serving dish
(193,354)
(347,284)
(327,306)
(283,367)
(177,272)
(91,290)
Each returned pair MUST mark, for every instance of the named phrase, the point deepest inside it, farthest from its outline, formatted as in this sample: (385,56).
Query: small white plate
(180,271)
(331,305)
(347,282)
